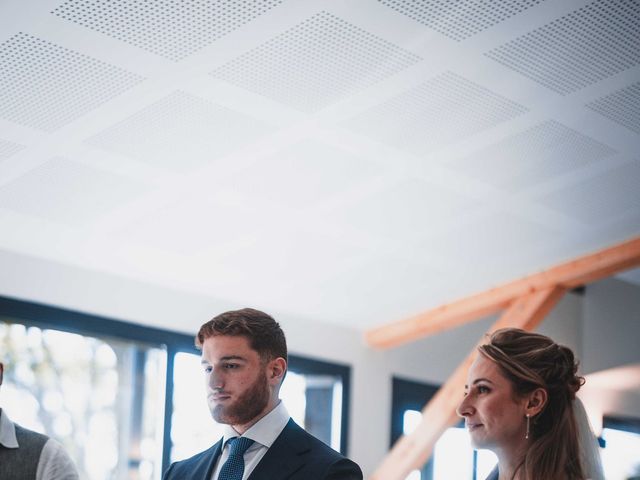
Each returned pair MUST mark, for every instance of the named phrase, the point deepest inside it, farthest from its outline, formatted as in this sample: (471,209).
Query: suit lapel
(203,469)
(285,456)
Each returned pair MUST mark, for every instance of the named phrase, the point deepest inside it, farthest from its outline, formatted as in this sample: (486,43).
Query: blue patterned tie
(233,468)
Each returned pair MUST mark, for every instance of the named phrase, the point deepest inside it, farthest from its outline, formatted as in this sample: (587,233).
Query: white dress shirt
(263,433)
(54,462)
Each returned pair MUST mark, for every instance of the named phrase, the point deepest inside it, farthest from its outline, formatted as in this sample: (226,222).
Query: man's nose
(215,379)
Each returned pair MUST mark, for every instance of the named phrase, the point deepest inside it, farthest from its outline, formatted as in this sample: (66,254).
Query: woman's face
(493,414)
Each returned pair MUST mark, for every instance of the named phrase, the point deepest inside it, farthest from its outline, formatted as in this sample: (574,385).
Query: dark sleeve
(344,469)
(168,475)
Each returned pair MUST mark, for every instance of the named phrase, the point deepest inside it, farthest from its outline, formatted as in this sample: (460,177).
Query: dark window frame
(48,316)
(623,423)
(409,395)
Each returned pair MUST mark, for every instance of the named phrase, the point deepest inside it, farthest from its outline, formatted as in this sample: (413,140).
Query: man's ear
(276,369)
(536,402)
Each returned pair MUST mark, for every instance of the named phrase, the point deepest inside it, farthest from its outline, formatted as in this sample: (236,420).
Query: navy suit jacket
(295,455)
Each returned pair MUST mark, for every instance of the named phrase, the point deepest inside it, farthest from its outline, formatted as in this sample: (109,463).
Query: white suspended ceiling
(350,161)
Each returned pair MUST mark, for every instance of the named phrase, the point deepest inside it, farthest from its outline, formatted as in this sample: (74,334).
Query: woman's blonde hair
(530,361)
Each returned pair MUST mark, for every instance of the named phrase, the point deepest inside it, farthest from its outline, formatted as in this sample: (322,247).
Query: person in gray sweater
(28,455)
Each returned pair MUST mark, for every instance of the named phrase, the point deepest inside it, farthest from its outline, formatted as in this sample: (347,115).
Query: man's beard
(247,407)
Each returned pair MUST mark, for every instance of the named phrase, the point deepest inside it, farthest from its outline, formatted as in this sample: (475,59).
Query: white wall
(611,325)
(430,360)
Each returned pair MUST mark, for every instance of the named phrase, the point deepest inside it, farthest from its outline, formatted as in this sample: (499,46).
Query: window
(620,458)
(453,456)
(123,399)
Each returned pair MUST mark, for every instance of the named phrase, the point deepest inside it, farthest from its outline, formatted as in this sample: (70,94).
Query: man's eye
(231,366)
(207,369)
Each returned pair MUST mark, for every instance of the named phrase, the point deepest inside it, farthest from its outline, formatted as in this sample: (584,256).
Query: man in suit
(244,357)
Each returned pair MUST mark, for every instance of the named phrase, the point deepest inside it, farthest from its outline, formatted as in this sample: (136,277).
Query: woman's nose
(465,408)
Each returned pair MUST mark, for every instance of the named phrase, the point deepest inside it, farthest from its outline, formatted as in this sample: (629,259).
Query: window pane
(192,427)
(487,460)
(101,398)
(453,456)
(315,402)
(620,457)
(410,421)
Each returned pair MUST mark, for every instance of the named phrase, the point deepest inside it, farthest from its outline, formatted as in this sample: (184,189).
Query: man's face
(238,386)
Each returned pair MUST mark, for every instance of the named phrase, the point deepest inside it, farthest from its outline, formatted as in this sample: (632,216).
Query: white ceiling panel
(68,192)
(406,211)
(442,110)
(8,148)
(622,106)
(533,156)
(180,132)
(307,173)
(46,86)
(601,198)
(172,29)
(462,19)
(577,49)
(316,63)
(490,243)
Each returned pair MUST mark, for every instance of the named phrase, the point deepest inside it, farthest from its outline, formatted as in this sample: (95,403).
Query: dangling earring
(526,435)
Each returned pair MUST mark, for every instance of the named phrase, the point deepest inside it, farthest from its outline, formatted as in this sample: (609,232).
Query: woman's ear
(536,401)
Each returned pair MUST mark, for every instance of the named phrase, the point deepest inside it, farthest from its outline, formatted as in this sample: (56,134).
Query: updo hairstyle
(531,361)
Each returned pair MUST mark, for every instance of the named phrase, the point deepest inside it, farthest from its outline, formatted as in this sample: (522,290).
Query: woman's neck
(510,464)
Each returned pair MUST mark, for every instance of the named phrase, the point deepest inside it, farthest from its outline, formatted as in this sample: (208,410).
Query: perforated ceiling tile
(409,210)
(195,222)
(601,198)
(46,86)
(533,156)
(68,192)
(303,174)
(622,107)
(446,108)
(8,148)
(578,49)
(462,19)
(316,63)
(171,28)
(477,243)
(180,132)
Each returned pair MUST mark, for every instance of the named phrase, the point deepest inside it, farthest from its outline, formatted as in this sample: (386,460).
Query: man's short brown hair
(263,332)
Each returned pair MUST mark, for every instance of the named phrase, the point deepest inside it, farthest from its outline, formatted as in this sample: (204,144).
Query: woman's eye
(483,389)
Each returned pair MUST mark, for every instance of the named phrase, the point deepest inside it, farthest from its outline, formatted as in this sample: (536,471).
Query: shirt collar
(264,431)
(7,431)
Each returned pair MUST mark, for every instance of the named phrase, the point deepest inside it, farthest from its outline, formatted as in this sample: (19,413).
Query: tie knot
(239,445)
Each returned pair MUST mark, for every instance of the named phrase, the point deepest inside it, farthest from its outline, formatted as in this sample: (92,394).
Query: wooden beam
(577,272)
(413,450)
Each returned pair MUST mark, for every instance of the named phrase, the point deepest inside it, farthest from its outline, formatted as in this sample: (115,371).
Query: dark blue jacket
(295,455)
